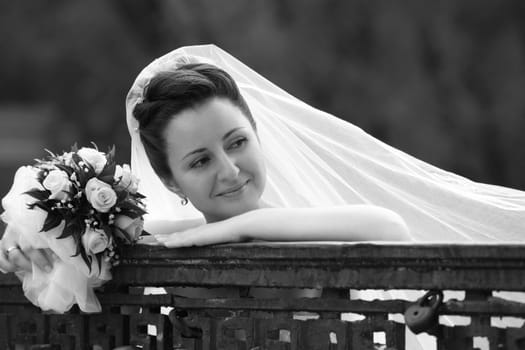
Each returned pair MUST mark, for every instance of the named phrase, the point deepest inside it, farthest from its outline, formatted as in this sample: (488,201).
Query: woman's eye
(238,143)
(199,163)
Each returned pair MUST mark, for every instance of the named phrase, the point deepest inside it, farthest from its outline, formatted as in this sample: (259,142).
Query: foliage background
(442,80)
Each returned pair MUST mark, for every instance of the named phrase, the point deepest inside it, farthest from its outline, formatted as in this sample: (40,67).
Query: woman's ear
(173,187)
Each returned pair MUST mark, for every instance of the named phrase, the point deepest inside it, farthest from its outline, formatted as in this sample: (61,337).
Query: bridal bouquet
(80,206)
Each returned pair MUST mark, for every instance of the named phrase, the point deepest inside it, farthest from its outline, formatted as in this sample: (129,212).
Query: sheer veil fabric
(315,159)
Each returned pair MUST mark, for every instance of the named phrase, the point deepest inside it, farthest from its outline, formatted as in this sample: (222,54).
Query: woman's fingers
(10,252)
(174,240)
(39,258)
(162,239)
(17,258)
(188,238)
(148,240)
(5,264)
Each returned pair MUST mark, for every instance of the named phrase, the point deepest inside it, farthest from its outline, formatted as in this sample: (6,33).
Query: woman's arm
(163,227)
(345,223)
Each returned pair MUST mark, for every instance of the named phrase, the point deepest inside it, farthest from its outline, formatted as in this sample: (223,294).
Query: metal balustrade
(296,296)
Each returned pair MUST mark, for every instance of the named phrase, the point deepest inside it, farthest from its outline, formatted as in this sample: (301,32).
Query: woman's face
(216,160)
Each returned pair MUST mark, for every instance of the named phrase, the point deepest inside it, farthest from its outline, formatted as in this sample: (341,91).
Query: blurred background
(441,80)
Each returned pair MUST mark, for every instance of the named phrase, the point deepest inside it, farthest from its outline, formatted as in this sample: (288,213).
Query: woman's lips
(233,191)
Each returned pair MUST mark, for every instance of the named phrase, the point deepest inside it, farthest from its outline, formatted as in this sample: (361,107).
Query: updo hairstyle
(171,92)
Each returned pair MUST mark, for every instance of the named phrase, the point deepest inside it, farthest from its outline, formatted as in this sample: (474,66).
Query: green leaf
(121,195)
(51,154)
(82,252)
(107,230)
(41,195)
(110,154)
(52,221)
(73,228)
(40,175)
(123,235)
(82,175)
(130,213)
(139,195)
(99,261)
(108,173)
(127,205)
(40,205)
(65,168)
(87,259)
(76,158)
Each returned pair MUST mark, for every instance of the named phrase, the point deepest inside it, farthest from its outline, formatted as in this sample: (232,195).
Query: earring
(184,201)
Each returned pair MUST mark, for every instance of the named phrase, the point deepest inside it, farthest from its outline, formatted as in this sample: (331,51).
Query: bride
(261,164)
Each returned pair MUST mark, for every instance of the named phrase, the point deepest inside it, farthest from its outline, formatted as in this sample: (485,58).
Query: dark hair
(169,93)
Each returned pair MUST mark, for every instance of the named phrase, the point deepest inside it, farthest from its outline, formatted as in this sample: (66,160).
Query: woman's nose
(228,168)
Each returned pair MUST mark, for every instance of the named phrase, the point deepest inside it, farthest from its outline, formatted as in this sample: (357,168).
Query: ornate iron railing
(259,296)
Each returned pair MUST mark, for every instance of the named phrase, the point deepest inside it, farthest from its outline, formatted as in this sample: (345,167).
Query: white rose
(95,158)
(125,179)
(57,182)
(133,227)
(100,195)
(95,241)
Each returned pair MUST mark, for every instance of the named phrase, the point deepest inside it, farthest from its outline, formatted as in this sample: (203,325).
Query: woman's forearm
(171,226)
(345,223)
(348,223)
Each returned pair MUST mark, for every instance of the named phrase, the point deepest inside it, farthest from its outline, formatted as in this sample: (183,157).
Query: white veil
(316,159)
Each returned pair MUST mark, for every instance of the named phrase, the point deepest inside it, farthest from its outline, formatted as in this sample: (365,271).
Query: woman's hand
(148,240)
(207,234)
(343,223)
(14,257)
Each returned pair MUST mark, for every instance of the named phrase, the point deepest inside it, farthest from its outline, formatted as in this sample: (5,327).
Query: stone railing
(284,296)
